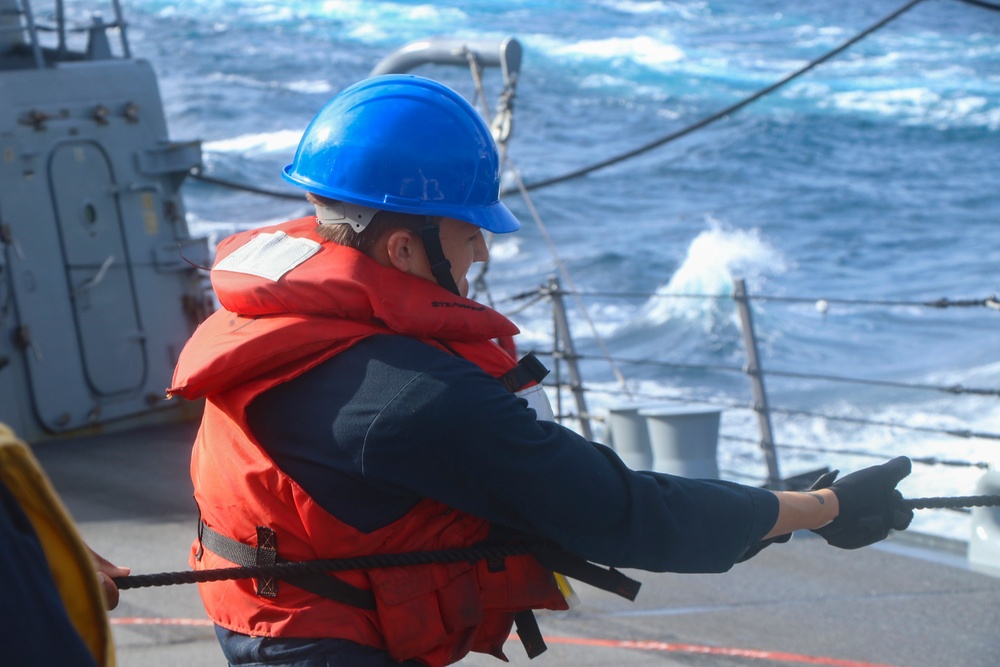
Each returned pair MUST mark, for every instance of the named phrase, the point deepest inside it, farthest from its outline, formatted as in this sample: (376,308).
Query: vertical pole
(120,22)
(36,48)
(754,371)
(556,357)
(61,27)
(566,351)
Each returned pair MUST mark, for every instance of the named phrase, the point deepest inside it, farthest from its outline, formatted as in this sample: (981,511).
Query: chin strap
(440,266)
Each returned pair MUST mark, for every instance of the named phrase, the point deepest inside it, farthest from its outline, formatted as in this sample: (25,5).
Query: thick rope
(470,554)
(952,503)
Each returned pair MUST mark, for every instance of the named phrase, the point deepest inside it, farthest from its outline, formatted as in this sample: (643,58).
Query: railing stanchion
(564,351)
(36,48)
(754,371)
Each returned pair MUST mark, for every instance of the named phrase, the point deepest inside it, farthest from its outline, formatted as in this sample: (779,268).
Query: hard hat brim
(495,217)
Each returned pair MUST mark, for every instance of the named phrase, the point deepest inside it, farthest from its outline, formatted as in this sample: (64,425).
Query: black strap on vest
(574,567)
(529,634)
(331,588)
(528,370)
(324,585)
(440,266)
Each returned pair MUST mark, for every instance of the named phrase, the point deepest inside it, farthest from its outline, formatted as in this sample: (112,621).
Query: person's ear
(401,249)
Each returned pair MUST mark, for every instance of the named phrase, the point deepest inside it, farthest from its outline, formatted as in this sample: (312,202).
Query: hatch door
(108,330)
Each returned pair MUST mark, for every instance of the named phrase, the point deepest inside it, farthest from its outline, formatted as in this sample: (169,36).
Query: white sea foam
(650,51)
(714,258)
(504,247)
(282,141)
(310,86)
(638,6)
(378,20)
(295,85)
(916,105)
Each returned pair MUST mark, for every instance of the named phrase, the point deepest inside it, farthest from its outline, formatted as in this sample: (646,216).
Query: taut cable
(470,554)
(952,503)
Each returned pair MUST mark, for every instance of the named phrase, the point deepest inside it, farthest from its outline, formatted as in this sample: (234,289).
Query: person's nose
(482,250)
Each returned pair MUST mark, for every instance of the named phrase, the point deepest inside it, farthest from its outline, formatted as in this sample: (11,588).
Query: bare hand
(106,572)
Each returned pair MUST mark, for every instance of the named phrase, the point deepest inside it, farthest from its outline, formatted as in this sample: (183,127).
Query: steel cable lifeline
(959,433)
(954,389)
(927,460)
(981,3)
(469,554)
(197,174)
(991,301)
(583,171)
(924,460)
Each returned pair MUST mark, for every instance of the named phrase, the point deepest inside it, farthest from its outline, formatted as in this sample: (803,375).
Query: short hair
(366,240)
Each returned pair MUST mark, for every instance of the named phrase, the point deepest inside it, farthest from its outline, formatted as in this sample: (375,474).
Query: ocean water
(870,182)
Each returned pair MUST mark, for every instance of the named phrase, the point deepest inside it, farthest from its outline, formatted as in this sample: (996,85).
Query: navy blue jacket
(392,420)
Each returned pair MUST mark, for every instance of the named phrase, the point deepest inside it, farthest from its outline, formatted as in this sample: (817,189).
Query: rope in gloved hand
(952,502)
(469,554)
(871,506)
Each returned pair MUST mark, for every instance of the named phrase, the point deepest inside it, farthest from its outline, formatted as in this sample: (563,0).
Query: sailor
(56,590)
(357,404)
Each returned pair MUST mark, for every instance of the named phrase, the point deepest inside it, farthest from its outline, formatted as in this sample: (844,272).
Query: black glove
(870,505)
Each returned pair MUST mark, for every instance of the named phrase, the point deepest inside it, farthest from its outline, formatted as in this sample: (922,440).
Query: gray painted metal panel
(43,326)
(97,295)
(108,330)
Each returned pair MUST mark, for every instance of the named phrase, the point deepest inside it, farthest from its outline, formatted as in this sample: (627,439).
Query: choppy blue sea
(870,182)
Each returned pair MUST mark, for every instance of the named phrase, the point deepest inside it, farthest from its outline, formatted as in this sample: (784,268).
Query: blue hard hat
(408,144)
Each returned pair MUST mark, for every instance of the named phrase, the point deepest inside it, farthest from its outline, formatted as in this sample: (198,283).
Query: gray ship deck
(802,603)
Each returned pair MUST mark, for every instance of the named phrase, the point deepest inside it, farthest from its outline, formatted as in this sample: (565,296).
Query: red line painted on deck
(197,622)
(669,647)
(750,654)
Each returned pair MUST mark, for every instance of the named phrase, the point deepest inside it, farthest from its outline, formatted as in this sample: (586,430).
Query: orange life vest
(273,328)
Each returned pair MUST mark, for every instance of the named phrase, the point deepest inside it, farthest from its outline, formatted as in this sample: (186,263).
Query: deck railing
(568,377)
(23,29)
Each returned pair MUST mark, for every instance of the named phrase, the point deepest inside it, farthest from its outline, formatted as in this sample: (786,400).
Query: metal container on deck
(984,540)
(684,439)
(629,436)
(676,439)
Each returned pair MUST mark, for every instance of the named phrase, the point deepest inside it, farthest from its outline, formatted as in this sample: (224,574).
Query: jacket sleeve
(455,434)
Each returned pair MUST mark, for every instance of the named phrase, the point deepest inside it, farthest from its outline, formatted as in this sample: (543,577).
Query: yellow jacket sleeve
(69,560)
